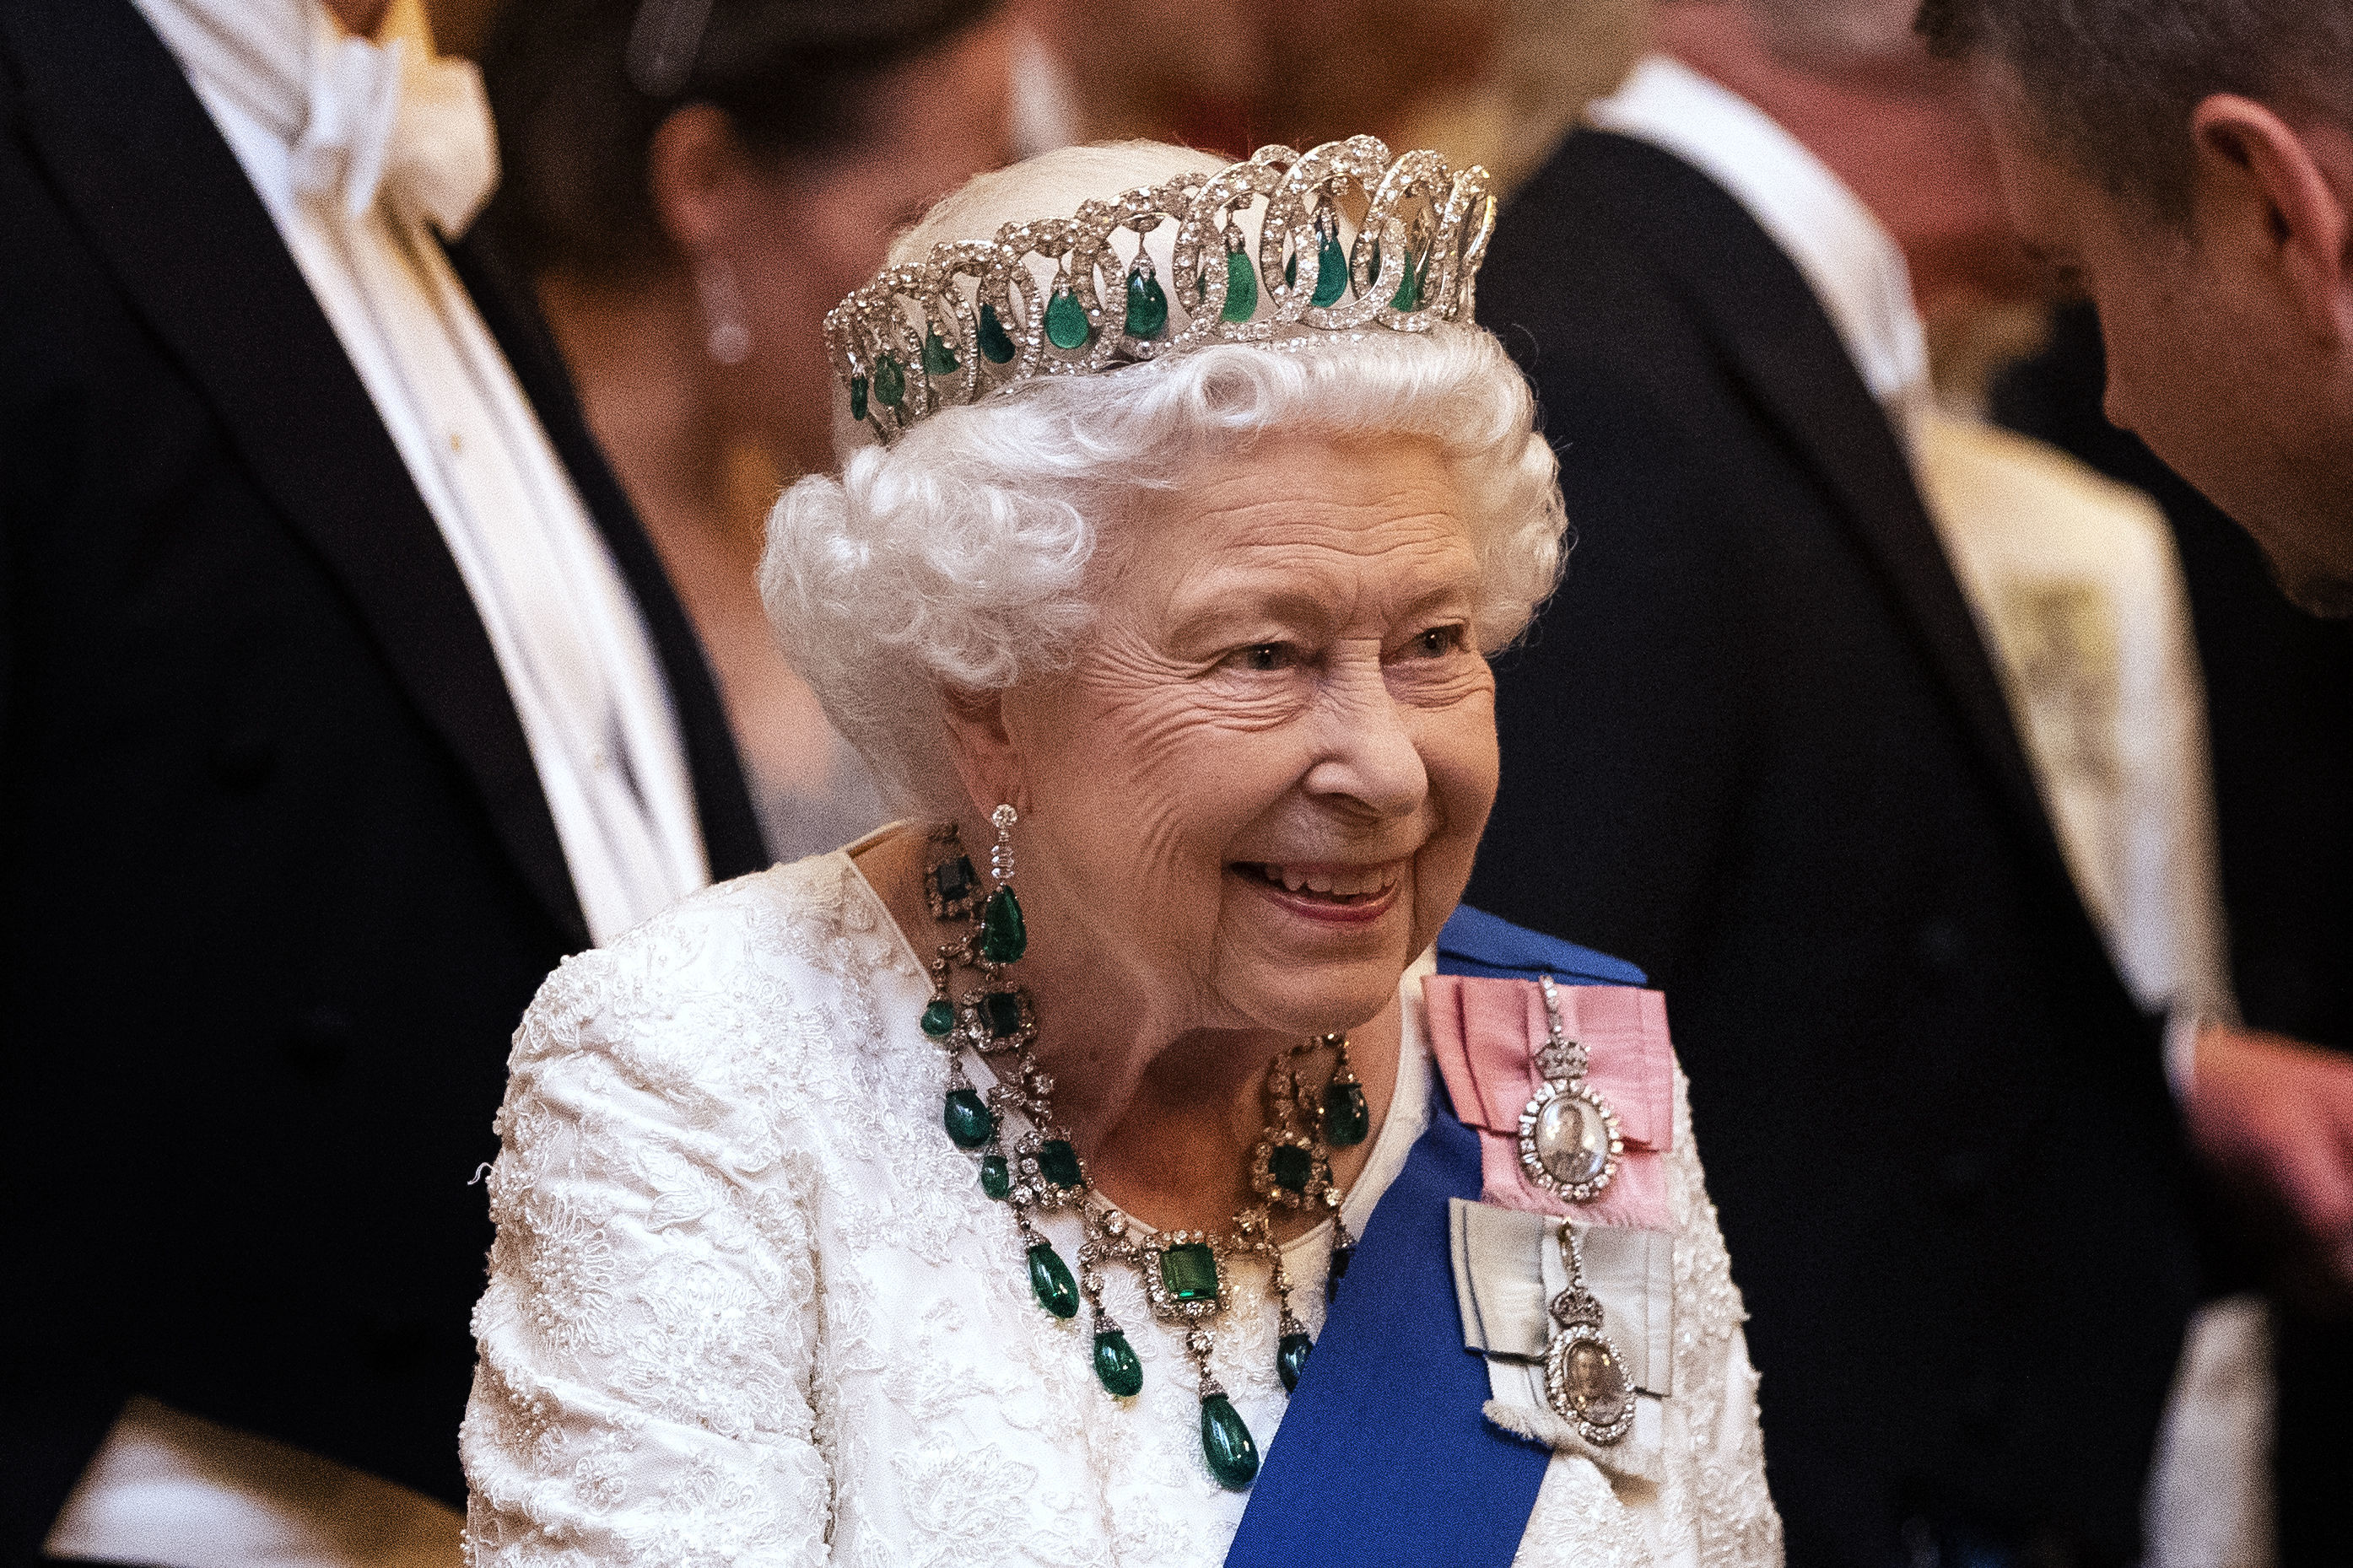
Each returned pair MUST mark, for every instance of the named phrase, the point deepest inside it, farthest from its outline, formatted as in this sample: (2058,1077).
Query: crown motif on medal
(1072,296)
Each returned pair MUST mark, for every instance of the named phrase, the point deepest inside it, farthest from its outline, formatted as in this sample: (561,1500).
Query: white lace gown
(748,1306)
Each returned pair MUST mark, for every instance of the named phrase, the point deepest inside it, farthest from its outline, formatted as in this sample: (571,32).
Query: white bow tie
(364,121)
(384,119)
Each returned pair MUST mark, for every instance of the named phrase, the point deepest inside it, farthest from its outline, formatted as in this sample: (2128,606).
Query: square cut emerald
(1190,1272)
(1003,1010)
(952,881)
(1290,1166)
(1059,1162)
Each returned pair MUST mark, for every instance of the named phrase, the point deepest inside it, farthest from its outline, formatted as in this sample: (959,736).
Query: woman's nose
(1369,753)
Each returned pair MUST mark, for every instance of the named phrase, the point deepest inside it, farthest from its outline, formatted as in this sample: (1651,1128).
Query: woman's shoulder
(743,976)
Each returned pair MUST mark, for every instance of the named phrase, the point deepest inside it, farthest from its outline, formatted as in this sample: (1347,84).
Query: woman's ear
(690,166)
(987,759)
(2284,195)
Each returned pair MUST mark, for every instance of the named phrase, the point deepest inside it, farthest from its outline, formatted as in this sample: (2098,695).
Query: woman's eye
(1440,641)
(1262,656)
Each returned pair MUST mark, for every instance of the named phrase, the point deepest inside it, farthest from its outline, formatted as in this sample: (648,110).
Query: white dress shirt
(359,153)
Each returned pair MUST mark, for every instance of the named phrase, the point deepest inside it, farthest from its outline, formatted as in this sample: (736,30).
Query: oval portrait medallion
(1586,1381)
(1569,1143)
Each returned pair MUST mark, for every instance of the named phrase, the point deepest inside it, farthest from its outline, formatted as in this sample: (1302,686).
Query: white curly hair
(959,557)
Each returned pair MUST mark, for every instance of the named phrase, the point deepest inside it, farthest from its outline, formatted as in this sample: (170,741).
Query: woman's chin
(1313,968)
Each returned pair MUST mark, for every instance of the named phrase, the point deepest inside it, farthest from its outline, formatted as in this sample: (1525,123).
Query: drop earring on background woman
(726,336)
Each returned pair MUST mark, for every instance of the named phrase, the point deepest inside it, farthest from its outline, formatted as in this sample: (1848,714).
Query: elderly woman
(977,1194)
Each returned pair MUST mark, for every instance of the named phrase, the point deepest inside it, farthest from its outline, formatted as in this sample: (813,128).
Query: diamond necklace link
(1183,1272)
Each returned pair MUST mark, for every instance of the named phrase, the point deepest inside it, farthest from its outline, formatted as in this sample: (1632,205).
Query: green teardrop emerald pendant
(1115,1365)
(1067,326)
(939,1019)
(1331,270)
(995,342)
(1290,1359)
(1049,1277)
(995,1176)
(1003,937)
(969,1121)
(1241,289)
(889,381)
(1346,1118)
(858,397)
(1147,307)
(1227,1443)
(938,358)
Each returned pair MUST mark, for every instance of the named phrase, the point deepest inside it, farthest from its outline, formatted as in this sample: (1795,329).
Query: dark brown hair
(578,88)
(2110,85)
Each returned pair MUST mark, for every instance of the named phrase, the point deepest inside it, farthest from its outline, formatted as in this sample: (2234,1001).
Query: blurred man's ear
(2280,197)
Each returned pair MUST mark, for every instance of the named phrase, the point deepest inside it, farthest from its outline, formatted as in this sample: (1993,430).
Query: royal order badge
(1585,1377)
(1569,1143)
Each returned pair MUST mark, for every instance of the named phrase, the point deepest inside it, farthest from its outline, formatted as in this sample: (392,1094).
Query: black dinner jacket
(277,876)
(1756,746)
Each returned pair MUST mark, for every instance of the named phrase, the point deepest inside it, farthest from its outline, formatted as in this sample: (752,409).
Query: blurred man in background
(341,697)
(2190,165)
(1810,814)
(693,185)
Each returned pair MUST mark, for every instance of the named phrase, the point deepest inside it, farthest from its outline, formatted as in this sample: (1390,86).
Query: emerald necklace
(1185,1272)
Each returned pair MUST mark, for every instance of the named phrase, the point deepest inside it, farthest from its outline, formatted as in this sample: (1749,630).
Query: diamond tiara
(1067,297)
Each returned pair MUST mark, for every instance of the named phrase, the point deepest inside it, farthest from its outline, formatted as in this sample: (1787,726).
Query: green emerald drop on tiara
(1330,266)
(1408,294)
(1147,307)
(995,342)
(1067,326)
(938,358)
(889,381)
(858,397)
(1241,289)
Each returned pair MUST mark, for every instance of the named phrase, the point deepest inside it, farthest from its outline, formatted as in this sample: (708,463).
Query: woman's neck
(703,489)
(647,387)
(1166,1124)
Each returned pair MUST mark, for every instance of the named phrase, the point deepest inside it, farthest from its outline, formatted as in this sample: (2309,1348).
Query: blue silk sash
(1384,1455)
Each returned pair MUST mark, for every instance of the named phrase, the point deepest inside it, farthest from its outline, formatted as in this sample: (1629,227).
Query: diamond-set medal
(1569,1146)
(1585,1377)
(1569,1134)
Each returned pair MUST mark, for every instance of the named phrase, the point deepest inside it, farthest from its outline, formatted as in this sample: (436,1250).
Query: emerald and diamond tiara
(1076,295)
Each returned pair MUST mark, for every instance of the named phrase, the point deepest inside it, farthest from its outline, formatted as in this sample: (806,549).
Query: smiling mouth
(1340,885)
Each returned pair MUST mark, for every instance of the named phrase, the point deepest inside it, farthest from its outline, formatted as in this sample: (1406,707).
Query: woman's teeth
(1331,881)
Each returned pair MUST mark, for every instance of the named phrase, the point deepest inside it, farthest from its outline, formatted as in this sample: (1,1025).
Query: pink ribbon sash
(1486,1035)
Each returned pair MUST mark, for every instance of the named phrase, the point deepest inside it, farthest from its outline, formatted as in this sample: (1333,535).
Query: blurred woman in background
(692,184)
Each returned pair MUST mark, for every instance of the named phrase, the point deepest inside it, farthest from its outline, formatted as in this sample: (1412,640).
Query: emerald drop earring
(1003,937)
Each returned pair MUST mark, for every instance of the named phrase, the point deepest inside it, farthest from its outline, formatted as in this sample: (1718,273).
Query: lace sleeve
(1731,1521)
(646,1336)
